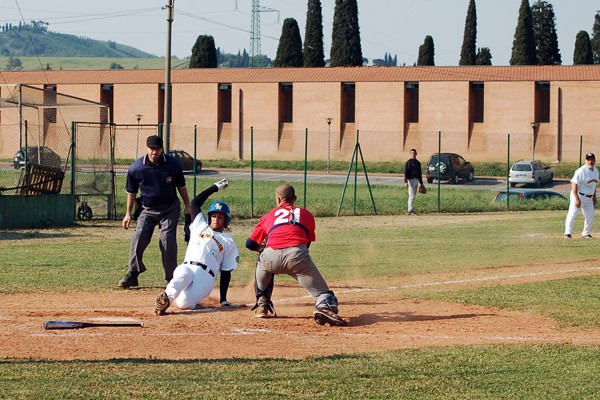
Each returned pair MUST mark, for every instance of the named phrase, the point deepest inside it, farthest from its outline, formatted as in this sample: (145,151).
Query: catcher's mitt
(422,189)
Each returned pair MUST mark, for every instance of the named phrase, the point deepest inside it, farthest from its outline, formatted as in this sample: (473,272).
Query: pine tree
(314,55)
(345,42)
(583,49)
(204,53)
(467,52)
(484,56)
(289,51)
(523,50)
(544,32)
(596,39)
(426,52)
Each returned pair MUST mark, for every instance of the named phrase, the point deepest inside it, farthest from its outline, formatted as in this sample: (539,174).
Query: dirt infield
(379,319)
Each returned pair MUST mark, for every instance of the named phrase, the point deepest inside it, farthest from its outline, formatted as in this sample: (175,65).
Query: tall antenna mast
(255,50)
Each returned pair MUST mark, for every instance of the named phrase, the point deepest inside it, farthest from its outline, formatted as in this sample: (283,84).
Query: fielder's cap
(154,141)
(590,156)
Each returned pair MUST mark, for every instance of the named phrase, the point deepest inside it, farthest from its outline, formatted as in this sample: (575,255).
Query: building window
(50,103)
(476,102)
(411,102)
(224,102)
(107,97)
(348,102)
(161,104)
(542,102)
(286,102)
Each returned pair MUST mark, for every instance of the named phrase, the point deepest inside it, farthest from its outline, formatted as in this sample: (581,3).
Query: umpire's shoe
(161,304)
(129,280)
(324,316)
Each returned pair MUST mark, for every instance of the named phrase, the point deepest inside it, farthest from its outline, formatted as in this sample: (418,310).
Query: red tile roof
(338,74)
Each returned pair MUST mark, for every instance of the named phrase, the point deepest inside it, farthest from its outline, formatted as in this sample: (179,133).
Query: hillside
(34,39)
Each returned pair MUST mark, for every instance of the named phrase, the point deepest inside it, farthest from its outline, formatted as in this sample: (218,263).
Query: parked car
(530,172)
(186,160)
(452,167)
(37,155)
(527,194)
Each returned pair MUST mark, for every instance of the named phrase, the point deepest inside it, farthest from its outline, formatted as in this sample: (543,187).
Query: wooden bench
(40,179)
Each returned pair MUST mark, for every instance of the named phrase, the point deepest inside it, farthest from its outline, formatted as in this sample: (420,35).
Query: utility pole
(167,119)
(255,50)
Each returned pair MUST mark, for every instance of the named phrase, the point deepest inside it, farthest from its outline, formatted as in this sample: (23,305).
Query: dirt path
(379,319)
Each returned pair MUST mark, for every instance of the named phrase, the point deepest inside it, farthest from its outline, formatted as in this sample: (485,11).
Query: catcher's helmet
(219,206)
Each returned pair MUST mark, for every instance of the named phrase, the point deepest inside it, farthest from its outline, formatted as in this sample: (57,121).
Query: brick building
(549,109)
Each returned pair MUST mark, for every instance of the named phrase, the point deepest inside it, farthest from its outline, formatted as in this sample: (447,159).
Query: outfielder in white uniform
(211,250)
(583,196)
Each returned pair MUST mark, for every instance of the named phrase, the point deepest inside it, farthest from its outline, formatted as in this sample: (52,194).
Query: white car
(530,172)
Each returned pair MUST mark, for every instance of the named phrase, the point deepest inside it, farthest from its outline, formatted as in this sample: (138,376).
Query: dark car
(41,155)
(527,194)
(451,166)
(186,161)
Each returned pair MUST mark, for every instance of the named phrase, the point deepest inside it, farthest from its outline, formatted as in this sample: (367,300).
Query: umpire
(156,175)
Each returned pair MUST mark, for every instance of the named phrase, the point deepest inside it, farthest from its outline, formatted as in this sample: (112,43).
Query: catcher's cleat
(324,316)
(162,303)
(262,311)
(131,279)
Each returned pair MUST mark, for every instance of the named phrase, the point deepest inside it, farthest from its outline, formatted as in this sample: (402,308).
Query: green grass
(464,372)
(92,63)
(376,249)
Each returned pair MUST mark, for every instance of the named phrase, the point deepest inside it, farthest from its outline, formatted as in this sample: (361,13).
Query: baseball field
(492,305)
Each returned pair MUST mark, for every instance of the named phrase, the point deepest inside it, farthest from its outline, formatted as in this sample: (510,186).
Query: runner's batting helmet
(219,206)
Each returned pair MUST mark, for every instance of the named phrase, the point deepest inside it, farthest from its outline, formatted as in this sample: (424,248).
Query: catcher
(211,250)
(282,238)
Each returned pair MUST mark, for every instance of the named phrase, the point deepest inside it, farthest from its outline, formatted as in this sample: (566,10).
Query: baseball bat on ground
(77,325)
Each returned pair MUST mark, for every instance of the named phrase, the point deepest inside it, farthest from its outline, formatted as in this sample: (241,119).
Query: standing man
(282,238)
(158,177)
(211,250)
(413,177)
(583,196)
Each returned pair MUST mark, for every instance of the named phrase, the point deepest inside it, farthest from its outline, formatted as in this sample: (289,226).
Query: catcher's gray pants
(413,184)
(166,219)
(293,261)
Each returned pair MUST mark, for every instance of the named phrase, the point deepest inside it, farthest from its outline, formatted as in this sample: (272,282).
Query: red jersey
(285,226)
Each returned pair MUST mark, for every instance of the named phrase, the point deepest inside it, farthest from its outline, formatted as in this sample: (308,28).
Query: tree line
(535,41)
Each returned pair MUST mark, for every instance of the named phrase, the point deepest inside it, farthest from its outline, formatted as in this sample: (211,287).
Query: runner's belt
(589,196)
(203,266)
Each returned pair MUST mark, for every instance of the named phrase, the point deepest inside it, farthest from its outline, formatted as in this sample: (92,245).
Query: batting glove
(222,184)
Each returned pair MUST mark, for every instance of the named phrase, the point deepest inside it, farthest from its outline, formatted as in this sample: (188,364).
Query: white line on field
(452,282)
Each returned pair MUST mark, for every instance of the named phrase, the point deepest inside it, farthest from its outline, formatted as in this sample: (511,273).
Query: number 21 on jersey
(287,216)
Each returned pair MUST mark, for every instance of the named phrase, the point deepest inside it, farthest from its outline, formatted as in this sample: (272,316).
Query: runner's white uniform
(216,250)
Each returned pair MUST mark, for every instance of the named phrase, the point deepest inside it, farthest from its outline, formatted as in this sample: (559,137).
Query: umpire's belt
(589,196)
(203,266)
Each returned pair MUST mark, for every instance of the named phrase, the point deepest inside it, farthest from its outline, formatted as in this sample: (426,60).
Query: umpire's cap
(154,141)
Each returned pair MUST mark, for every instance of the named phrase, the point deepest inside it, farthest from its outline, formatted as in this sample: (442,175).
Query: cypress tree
(583,49)
(544,32)
(426,52)
(596,39)
(204,53)
(484,56)
(289,51)
(523,50)
(467,52)
(314,53)
(345,42)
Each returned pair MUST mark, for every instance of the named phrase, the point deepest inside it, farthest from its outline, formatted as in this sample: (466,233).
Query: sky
(396,27)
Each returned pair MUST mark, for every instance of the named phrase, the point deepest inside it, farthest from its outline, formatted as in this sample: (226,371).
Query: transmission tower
(255,30)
